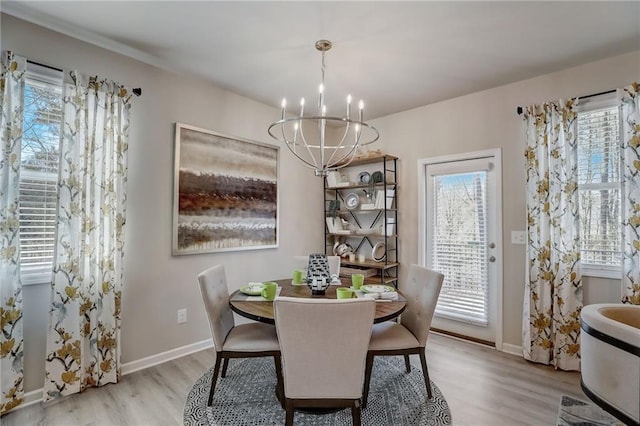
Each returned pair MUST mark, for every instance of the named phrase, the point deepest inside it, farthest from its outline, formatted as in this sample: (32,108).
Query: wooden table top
(263,310)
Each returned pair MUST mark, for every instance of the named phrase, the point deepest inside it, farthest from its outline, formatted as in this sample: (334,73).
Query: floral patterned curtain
(83,341)
(630,103)
(553,291)
(11,341)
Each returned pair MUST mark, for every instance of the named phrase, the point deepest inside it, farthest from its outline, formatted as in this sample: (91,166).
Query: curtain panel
(630,137)
(553,291)
(12,83)
(83,340)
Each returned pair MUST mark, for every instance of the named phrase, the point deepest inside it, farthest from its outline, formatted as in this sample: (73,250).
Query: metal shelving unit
(367,227)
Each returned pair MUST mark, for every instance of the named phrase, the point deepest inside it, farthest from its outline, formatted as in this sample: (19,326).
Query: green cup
(269,290)
(297,276)
(344,293)
(357,280)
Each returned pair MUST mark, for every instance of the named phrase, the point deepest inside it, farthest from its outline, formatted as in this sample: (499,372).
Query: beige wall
(157,284)
(486,120)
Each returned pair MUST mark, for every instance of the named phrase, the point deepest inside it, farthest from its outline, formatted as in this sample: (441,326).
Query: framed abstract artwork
(225,193)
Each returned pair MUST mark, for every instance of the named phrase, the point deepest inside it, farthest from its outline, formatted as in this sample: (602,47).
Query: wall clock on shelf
(364,178)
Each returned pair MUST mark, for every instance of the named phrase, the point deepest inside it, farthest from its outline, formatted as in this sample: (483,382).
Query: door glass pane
(459,246)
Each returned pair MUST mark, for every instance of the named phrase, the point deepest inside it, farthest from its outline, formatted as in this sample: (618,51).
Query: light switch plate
(518,237)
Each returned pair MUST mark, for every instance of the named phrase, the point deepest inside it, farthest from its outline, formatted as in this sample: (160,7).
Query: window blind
(39,173)
(599,186)
(459,246)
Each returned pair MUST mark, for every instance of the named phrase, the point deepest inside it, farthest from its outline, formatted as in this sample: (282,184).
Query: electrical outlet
(518,237)
(182,316)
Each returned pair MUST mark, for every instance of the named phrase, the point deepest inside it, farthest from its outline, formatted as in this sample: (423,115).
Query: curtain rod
(519,109)
(137,91)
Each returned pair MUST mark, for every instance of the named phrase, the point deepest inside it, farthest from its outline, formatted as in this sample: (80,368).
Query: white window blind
(459,242)
(39,172)
(599,189)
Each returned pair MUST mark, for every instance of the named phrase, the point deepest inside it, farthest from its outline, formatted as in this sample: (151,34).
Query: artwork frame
(225,193)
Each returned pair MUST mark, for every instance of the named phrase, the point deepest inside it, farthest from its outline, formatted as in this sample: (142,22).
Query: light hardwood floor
(482,387)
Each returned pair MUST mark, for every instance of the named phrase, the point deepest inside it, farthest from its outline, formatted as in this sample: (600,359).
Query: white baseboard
(35,396)
(169,355)
(30,398)
(512,349)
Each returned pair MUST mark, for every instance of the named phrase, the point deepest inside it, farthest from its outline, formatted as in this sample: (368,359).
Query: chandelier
(320,141)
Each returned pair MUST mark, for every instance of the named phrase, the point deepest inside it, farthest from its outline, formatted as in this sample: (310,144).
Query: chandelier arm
(351,154)
(339,146)
(374,139)
(306,145)
(343,162)
(305,162)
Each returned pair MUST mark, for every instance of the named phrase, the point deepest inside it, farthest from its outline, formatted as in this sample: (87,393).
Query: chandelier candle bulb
(348,106)
(295,135)
(361,108)
(284,106)
(301,110)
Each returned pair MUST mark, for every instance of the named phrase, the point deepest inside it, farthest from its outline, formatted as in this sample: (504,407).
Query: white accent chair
(324,345)
(234,341)
(610,358)
(301,262)
(409,336)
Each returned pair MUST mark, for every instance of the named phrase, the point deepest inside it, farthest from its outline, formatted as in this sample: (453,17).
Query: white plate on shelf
(352,200)
(379,252)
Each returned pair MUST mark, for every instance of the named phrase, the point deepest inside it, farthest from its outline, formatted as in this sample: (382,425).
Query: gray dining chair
(301,262)
(324,345)
(230,340)
(409,336)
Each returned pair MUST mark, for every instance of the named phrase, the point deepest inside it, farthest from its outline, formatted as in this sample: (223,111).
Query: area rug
(575,412)
(247,397)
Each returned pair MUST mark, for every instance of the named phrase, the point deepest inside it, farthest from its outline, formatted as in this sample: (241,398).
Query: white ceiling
(394,55)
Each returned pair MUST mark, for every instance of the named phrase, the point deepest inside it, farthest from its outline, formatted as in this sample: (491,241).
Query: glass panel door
(461,244)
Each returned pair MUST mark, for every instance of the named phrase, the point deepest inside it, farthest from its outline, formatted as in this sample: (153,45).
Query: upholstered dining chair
(301,262)
(409,336)
(234,341)
(324,345)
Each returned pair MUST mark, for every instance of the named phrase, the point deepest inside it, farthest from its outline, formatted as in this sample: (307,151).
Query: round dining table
(262,310)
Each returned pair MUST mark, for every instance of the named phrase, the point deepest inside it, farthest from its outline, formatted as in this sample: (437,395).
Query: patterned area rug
(575,412)
(247,397)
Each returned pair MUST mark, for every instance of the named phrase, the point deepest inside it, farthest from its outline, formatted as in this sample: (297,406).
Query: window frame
(45,76)
(603,101)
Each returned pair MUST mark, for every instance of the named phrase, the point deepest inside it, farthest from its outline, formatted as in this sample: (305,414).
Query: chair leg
(356,413)
(289,413)
(279,380)
(407,364)
(224,367)
(216,369)
(367,379)
(425,372)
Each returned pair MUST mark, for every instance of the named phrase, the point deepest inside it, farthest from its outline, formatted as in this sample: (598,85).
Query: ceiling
(394,55)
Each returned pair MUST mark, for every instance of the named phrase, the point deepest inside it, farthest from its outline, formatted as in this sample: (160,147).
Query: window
(39,172)
(599,189)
